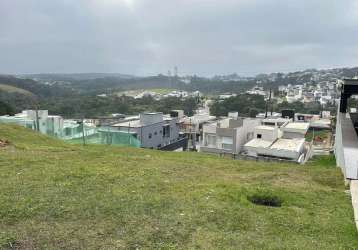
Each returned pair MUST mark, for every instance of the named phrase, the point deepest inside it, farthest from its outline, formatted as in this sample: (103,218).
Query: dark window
(150,135)
(259,136)
(155,133)
(166,131)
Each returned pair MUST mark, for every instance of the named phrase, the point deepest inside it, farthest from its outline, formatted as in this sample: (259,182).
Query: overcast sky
(205,37)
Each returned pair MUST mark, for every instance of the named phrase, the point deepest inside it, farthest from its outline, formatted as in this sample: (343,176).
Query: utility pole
(128,134)
(176,71)
(170,78)
(271,102)
(175,76)
(268,101)
(190,137)
(83,132)
(35,105)
(37,118)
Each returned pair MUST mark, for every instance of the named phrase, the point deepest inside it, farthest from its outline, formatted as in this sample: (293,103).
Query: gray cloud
(205,37)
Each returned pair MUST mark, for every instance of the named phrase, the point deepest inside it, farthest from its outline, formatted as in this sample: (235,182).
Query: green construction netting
(104,136)
(75,133)
(27,123)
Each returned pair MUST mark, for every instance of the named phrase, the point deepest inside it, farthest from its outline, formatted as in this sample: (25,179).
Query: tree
(244,104)
(6,109)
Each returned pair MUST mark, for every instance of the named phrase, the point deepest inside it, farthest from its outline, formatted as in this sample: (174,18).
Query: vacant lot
(55,195)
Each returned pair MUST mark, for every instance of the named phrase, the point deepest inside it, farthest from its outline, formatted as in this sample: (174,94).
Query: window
(226,142)
(210,140)
(227,146)
(166,131)
(150,135)
(155,133)
(259,136)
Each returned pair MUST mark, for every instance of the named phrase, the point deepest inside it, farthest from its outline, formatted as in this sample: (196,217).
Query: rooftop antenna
(175,71)
(268,101)
(170,78)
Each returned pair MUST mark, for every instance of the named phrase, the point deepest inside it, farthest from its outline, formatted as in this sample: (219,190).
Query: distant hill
(23,94)
(75,76)
(60,196)
(12,89)
(36,88)
(98,83)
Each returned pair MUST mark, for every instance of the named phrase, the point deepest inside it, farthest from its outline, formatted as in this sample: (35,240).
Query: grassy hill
(12,89)
(59,196)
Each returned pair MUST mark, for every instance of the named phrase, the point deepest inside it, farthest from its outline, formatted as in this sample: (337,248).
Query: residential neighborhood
(136,124)
(276,137)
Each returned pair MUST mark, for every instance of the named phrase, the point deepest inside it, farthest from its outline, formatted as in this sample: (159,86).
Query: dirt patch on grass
(265,198)
(4,143)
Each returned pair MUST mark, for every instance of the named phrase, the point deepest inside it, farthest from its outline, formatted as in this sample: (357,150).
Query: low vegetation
(60,196)
(317,135)
(12,89)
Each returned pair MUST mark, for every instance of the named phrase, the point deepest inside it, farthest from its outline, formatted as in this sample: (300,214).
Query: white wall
(247,128)
(292,135)
(267,134)
(42,118)
(275,152)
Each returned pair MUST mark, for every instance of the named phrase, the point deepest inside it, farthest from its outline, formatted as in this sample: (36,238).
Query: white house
(283,140)
(228,135)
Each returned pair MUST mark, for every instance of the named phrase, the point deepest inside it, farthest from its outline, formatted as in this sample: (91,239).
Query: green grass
(323,134)
(12,89)
(59,196)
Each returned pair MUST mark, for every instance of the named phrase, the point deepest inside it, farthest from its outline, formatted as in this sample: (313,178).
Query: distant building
(288,113)
(299,117)
(326,114)
(177,93)
(269,115)
(226,96)
(192,127)
(294,130)
(275,122)
(282,88)
(282,140)
(228,135)
(290,149)
(153,130)
(258,91)
(37,120)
